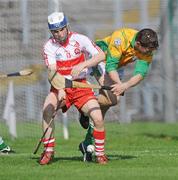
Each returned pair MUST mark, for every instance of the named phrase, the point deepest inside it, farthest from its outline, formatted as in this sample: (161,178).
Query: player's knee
(48,112)
(99,125)
(98,122)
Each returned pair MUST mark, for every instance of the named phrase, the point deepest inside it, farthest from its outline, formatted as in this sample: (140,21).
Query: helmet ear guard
(57,20)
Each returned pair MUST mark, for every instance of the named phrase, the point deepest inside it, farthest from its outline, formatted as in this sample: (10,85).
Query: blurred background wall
(23,31)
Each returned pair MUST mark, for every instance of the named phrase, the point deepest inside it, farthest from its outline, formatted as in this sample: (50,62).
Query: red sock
(49,144)
(99,137)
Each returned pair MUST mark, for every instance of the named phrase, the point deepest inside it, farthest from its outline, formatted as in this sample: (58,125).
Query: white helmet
(57,20)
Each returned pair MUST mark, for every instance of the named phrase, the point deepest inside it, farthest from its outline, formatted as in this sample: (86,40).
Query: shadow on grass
(73,158)
(121,157)
(79,158)
(161,136)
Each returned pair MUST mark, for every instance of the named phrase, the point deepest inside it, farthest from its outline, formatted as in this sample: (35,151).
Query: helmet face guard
(57,20)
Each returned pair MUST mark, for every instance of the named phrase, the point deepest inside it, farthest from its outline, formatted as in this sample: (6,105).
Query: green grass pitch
(137,151)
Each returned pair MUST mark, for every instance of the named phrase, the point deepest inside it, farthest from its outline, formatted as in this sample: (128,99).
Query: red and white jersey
(70,54)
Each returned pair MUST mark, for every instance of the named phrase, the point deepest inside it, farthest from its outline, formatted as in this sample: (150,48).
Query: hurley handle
(106,87)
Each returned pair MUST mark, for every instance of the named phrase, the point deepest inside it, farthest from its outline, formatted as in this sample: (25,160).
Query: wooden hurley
(24,72)
(59,82)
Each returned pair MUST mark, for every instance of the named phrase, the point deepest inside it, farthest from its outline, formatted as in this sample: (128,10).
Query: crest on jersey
(74,43)
(134,58)
(77,51)
(58,55)
(117,41)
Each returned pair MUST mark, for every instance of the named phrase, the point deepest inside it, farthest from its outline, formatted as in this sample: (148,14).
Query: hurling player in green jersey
(122,47)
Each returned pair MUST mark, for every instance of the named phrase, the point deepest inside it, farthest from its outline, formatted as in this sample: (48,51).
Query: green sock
(89,136)
(2,146)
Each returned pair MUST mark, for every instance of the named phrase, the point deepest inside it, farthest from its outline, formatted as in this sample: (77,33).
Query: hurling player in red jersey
(63,51)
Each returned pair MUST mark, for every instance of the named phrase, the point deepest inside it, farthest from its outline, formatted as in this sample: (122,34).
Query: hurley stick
(24,72)
(50,122)
(44,133)
(60,82)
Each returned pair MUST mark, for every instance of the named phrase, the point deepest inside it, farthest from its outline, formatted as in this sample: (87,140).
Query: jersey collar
(133,40)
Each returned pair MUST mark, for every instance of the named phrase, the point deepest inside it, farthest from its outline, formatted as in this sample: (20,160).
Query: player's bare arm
(115,76)
(96,59)
(61,92)
(118,88)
